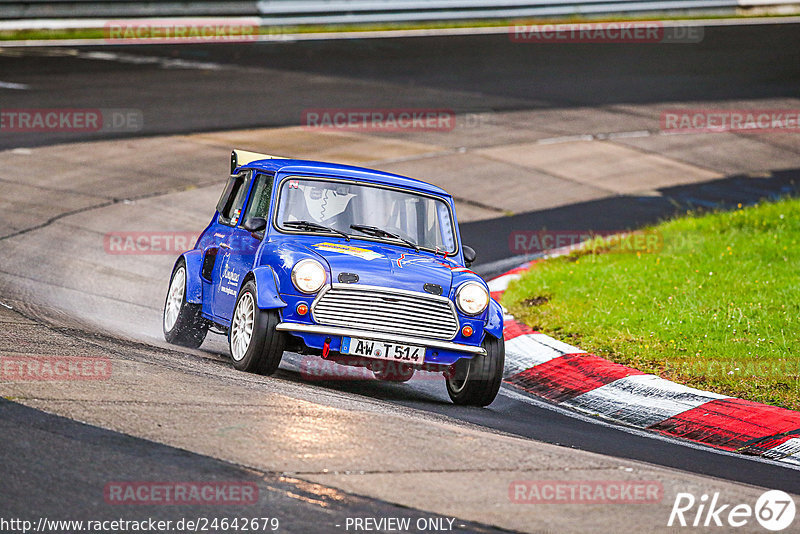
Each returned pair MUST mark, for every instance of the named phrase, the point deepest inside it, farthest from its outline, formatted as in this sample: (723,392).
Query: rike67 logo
(774,510)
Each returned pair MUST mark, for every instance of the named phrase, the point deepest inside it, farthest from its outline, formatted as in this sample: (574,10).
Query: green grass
(716,307)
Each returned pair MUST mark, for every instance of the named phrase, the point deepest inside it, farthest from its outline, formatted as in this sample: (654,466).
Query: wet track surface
(81,458)
(270,85)
(522,415)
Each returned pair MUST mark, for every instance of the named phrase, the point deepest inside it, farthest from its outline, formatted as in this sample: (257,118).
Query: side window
(259,200)
(232,200)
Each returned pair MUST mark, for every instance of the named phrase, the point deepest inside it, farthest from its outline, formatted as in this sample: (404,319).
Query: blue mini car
(357,266)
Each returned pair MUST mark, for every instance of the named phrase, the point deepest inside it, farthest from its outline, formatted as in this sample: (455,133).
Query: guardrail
(60,9)
(283,12)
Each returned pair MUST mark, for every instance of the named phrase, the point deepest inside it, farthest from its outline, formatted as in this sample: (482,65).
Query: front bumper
(378,336)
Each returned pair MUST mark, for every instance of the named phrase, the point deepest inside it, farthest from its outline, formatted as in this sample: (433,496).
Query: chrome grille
(386,310)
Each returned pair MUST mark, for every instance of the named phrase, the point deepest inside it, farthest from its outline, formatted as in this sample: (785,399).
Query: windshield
(423,220)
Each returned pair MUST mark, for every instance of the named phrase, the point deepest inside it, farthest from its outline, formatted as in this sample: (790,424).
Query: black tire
(188,328)
(263,351)
(390,371)
(475,382)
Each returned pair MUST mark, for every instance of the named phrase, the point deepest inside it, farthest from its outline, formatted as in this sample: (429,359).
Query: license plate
(383,350)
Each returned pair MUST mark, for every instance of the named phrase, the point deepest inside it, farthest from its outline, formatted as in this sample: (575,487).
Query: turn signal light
(302,308)
(466,331)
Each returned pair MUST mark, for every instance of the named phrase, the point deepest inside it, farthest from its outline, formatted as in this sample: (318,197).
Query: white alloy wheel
(242,326)
(177,290)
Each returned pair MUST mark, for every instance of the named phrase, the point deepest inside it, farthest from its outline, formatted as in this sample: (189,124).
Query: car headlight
(308,275)
(472,298)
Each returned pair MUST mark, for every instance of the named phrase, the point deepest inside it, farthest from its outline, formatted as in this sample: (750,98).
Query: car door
(239,248)
(217,255)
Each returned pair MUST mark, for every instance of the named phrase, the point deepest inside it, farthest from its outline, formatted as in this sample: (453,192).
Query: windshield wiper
(379,232)
(312,227)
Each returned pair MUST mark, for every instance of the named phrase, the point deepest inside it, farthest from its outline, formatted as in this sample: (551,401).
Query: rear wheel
(183,323)
(256,347)
(476,381)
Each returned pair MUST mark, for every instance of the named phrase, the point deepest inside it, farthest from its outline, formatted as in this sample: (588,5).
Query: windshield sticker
(363,253)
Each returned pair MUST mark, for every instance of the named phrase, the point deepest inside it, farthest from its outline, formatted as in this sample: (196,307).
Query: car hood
(386,266)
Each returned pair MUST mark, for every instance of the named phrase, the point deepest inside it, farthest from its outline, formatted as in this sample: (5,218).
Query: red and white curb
(575,379)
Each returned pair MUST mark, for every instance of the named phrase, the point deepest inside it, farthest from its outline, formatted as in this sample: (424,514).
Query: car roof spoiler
(243,157)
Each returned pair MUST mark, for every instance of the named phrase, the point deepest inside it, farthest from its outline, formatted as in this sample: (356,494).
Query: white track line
(15,86)
(163,62)
(565,139)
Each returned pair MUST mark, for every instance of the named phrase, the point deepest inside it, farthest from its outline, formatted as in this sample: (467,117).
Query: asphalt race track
(79,456)
(198,88)
(174,414)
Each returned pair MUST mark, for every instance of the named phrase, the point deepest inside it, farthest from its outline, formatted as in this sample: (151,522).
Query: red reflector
(302,308)
(466,331)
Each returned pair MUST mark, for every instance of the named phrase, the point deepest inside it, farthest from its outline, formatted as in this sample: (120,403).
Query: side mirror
(469,255)
(255,224)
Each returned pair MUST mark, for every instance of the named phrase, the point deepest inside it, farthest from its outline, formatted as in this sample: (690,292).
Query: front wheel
(476,381)
(183,322)
(256,347)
